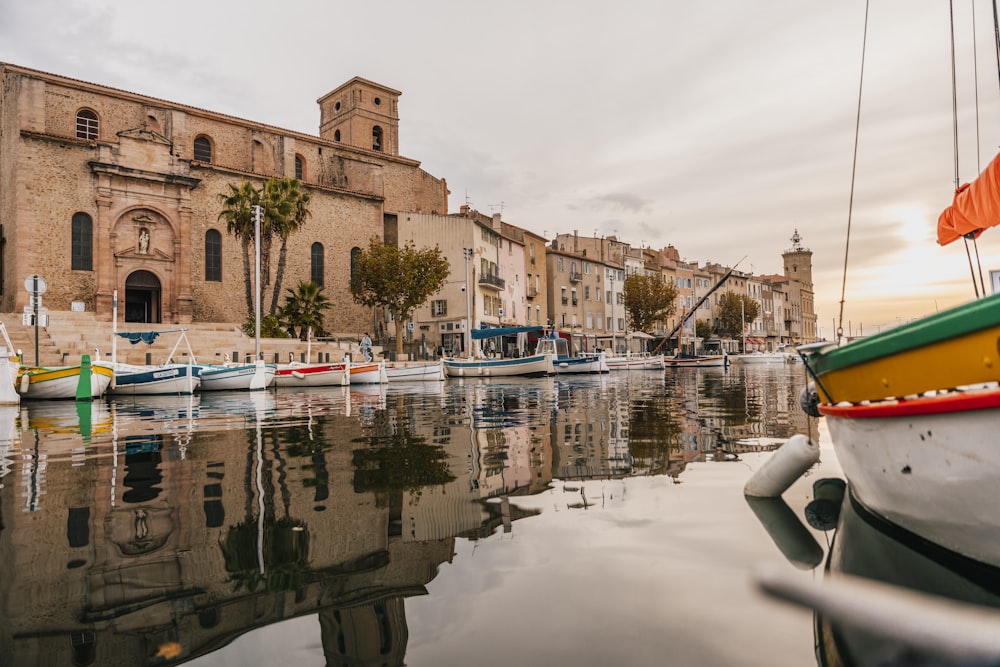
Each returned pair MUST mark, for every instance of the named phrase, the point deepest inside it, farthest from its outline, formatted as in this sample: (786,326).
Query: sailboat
(480,365)
(913,411)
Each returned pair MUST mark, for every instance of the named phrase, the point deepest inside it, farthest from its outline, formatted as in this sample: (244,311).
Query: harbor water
(558,521)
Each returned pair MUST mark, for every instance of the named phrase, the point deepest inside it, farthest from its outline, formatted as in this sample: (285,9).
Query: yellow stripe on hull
(954,362)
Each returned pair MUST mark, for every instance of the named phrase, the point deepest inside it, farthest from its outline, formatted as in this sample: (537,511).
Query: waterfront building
(104,190)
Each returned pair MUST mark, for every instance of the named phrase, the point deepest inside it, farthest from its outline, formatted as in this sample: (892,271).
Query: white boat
(920,464)
(10,362)
(64,382)
(428,372)
(697,360)
(368,372)
(235,377)
(136,380)
(636,362)
(563,362)
(773,358)
(298,374)
(535,365)
(480,365)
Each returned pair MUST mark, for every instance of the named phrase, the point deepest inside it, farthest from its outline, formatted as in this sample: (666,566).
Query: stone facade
(127,164)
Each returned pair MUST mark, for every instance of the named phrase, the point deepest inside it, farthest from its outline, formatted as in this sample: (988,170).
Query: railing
(575,276)
(531,293)
(490,280)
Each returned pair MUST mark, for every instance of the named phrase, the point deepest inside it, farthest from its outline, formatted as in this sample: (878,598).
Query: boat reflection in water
(891,597)
(155,529)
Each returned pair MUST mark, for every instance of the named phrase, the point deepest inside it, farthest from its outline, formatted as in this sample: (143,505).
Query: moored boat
(637,362)
(235,377)
(535,365)
(298,374)
(700,360)
(563,362)
(133,380)
(419,372)
(755,358)
(63,382)
(368,372)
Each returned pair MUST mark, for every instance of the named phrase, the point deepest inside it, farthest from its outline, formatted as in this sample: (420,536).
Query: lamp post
(614,347)
(467,253)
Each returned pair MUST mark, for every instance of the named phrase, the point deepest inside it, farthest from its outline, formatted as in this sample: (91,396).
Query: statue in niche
(143,241)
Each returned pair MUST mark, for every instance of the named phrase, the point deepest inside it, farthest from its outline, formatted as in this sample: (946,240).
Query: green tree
(648,300)
(735,312)
(284,209)
(304,308)
(398,279)
(291,209)
(703,329)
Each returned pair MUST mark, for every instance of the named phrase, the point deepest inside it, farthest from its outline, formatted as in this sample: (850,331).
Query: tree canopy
(398,279)
(648,300)
(303,310)
(284,209)
(735,312)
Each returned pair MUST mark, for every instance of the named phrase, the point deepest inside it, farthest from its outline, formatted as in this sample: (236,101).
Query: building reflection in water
(168,527)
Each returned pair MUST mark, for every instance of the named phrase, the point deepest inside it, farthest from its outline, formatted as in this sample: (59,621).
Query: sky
(718,127)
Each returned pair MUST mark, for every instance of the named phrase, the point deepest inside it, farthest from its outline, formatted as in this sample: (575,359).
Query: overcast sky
(720,127)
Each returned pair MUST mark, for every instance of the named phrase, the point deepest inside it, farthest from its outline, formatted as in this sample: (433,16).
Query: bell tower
(361,114)
(798,262)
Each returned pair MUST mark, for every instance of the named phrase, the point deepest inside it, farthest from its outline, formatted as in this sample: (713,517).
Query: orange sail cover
(976,207)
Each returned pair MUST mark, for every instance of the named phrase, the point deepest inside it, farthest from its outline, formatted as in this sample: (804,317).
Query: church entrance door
(142,297)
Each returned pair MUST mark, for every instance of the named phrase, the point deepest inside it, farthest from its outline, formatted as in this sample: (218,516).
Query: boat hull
(368,373)
(241,377)
(151,381)
(954,348)
(61,383)
(311,375)
(699,361)
(921,464)
(653,363)
(536,365)
(761,358)
(587,364)
(432,372)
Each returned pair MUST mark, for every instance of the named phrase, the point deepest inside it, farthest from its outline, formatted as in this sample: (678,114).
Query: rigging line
(954,94)
(854,171)
(975,85)
(996,36)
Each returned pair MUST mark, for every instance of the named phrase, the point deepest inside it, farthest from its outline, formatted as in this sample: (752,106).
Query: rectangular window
(82,253)
(439,308)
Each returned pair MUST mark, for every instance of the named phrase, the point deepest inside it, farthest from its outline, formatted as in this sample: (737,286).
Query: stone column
(104,265)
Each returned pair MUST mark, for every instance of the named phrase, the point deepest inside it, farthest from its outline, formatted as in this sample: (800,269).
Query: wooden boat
(479,365)
(133,380)
(10,366)
(312,375)
(953,348)
(682,360)
(429,372)
(769,358)
(919,463)
(564,363)
(368,372)
(235,377)
(636,362)
(62,382)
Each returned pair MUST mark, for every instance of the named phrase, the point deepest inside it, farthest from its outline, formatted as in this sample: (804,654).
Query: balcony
(575,301)
(575,276)
(565,301)
(531,293)
(491,281)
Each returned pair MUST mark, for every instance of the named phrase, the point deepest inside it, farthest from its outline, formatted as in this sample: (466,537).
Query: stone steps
(70,335)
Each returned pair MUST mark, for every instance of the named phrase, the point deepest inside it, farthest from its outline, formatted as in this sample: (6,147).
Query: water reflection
(170,526)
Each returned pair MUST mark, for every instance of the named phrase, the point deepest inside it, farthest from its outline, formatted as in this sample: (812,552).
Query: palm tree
(295,210)
(303,309)
(237,211)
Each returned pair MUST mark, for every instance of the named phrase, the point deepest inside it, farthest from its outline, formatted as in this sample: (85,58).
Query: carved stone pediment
(154,254)
(142,134)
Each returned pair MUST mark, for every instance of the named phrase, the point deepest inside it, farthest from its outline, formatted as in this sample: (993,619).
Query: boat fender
(297,374)
(823,512)
(786,465)
(809,400)
(25,381)
(793,539)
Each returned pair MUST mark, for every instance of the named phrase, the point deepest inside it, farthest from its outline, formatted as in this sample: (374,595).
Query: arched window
(376,138)
(82,254)
(202,149)
(355,256)
(87,125)
(316,264)
(336,135)
(213,256)
(300,167)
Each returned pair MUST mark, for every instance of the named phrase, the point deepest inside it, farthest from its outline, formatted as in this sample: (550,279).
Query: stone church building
(104,190)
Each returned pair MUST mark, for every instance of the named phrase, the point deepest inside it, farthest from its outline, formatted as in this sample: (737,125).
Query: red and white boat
(298,374)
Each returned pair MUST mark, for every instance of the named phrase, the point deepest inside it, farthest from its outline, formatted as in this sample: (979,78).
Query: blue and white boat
(479,365)
(137,380)
(563,362)
(235,377)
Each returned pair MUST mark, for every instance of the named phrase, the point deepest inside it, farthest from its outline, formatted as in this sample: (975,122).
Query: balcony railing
(488,280)
(531,293)
(575,276)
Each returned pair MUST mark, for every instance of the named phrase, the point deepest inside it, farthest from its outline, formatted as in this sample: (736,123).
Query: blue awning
(480,334)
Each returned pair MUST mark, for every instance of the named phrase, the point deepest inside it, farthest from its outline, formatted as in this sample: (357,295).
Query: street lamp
(467,253)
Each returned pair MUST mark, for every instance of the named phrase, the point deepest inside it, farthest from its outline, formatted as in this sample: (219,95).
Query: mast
(697,305)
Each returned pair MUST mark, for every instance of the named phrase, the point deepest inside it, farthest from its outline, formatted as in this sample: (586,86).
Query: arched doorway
(142,297)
